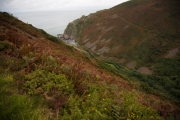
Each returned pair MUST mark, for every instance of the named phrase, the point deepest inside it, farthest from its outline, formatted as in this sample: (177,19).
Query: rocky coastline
(65,38)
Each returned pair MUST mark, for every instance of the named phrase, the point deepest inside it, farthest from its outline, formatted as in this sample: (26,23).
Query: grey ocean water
(53,22)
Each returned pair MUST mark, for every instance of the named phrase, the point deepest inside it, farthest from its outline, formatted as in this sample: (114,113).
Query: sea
(53,22)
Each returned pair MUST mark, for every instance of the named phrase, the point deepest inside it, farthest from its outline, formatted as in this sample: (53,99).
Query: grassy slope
(139,30)
(143,31)
(66,82)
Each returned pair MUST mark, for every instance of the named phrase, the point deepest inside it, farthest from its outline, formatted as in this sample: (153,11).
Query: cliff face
(70,31)
(136,31)
(73,28)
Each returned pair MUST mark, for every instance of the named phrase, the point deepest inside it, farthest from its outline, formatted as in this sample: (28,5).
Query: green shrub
(145,87)
(40,81)
(71,48)
(4,45)
(96,104)
(167,67)
(18,107)
(50,37)
(132,110)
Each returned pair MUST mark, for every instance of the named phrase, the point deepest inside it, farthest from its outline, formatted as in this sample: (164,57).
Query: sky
(52,5)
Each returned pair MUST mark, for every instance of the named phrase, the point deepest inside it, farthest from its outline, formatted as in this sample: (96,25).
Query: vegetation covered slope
(137,33)
(42,78)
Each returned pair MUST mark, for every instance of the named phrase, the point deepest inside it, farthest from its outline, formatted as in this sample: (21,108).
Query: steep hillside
(143,35)
(42,78)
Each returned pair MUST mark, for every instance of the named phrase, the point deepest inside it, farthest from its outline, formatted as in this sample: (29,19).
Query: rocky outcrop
(74,28)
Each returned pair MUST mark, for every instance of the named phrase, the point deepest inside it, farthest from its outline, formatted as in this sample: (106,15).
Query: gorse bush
(18,107)
(98,103)
(130,109)
(40,81)
(95,104)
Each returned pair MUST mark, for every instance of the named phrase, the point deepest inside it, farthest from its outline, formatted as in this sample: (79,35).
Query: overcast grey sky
(49,5)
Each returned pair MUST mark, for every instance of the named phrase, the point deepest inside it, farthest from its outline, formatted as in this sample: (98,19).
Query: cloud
(42,5)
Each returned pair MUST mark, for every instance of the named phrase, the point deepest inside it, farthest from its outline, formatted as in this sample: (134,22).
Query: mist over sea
(53,22)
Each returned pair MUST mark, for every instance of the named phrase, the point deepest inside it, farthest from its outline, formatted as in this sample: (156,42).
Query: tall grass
(14,106)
